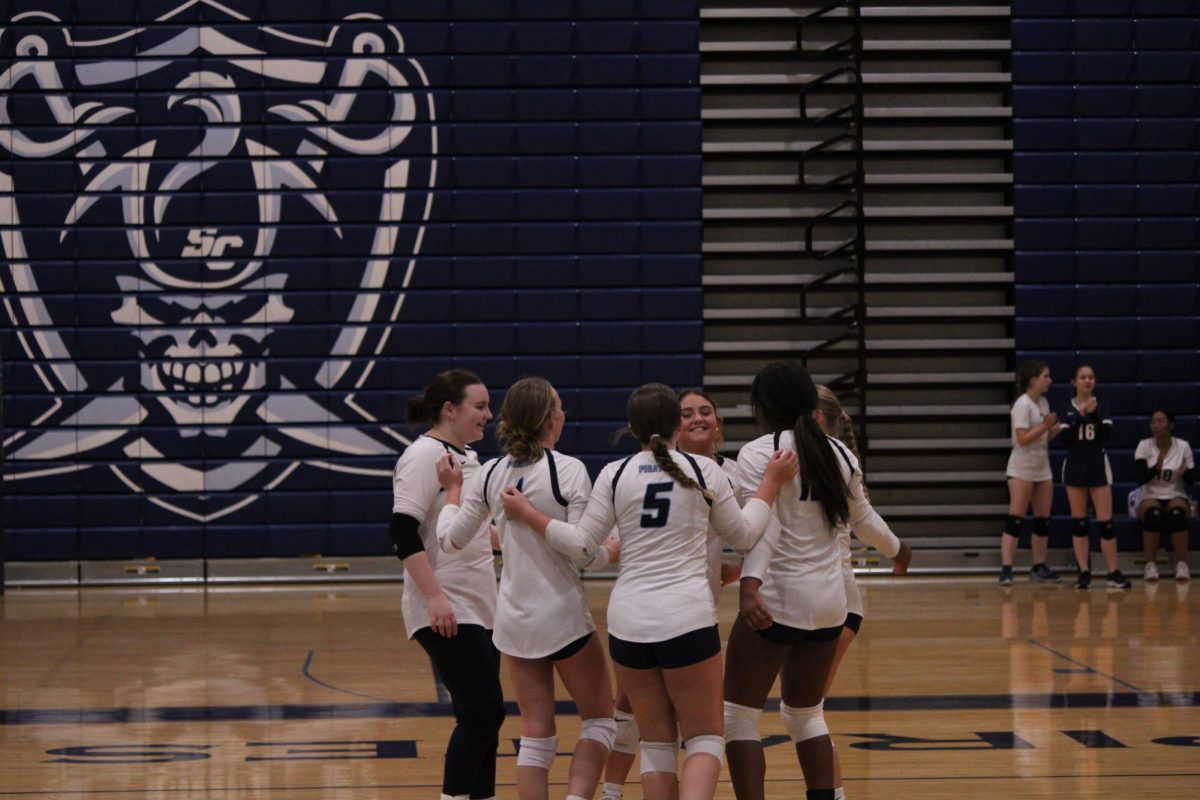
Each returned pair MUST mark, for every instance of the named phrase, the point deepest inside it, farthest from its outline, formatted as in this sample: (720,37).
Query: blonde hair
(527,405)
(837,422)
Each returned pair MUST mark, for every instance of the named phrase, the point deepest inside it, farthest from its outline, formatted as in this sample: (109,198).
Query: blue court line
(299,711)
(305,671)
(193,792)
(1088,667)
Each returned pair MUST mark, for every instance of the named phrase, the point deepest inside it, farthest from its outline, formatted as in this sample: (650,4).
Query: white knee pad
(711,744)
(741,723)
(627,733)
(537,752)
(600,729)
(660,757)
(803,724)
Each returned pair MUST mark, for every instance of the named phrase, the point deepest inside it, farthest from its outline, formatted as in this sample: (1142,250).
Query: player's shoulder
(846,456)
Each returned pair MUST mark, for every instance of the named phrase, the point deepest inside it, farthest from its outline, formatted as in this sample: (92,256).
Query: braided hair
(653,412)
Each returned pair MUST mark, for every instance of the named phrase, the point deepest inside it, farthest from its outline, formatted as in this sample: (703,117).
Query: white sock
(839,793)
(613,790)
(575,797)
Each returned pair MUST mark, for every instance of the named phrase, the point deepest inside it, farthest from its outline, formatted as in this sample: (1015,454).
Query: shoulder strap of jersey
(841,448)
(617,475)
(699,476)
(487,478)
(558,498)
(778,438)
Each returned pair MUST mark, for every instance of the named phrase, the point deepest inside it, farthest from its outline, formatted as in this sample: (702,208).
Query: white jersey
(662,586)
(799,560)
(716,545)
(541,607)
(854,603)
(467,577)
(1031,462)
(1177,461)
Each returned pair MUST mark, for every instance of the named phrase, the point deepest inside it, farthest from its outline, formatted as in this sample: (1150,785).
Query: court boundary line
(1088,667)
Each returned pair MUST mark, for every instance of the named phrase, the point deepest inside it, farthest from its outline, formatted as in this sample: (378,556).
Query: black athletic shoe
(1084,581)
(1116,580)
(1006,576)
(1040,573)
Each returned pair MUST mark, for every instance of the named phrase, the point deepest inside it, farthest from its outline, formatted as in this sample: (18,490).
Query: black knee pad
(1154,519)
(1176,521)
(1014,525)
(1106,529)
(1079,527)
(1041,526)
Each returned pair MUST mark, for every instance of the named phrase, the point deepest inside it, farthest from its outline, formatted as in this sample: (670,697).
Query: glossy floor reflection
(956,688)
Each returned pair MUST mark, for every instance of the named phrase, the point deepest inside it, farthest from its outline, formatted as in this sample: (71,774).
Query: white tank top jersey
(1178,460)
(799,559)
(1031,462)
(716,545)
(467,577)
(541,607)
(662,585)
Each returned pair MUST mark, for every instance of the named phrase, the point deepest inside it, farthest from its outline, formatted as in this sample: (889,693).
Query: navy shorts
(681,651)
(1085,472)
(571,649)
(788,636)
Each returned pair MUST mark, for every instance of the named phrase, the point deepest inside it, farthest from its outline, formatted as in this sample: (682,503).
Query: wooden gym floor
(956,689)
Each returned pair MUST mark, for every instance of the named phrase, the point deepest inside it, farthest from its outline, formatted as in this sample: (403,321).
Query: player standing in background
(449,601)
(543,624)
(663,636)
(1029,477)
(1165,472)
(1086,474)
(793,600)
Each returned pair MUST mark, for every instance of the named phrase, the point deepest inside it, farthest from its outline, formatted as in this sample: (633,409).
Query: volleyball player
(543,624)
(793,600)
(1086,474)
(663,635)
(449,600)
(1029,477)
(1165,471)
(835,422)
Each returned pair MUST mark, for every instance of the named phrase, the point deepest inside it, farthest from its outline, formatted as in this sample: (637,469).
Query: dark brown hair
(653,412)
(720,439)
(446,387)
(1028,371)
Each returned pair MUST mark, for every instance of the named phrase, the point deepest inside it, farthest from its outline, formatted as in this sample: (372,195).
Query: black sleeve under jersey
(1104,431)
(1188,477)
(406,536)
(1143,472)
(1069,434)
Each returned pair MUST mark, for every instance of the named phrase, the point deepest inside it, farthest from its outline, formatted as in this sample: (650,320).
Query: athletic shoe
(1043,574)
(1151,571)
(1182,573)
(1084,581)
(1006,576)
(1116,580)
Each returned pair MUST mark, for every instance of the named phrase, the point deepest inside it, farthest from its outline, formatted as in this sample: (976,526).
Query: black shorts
(681,651)
(853,621)
(571,649)
(788,636)
(1085,472)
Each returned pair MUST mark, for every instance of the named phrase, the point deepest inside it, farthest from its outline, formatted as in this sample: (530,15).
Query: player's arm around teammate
(449,601)
(664,643)
(542,620)
(1165,470)
(1029,478)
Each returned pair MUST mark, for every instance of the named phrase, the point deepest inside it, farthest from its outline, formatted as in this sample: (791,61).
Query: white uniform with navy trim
(467,577)
(716,545)
(1178,460)
(799,559)
(541,607)
(1031,462)
(854,603)
(662,587)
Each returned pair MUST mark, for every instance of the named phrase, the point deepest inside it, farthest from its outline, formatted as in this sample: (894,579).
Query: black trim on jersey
(558,498)
(449,447)
(617,476)
(488,477)
(778,438)
(699,476)
(845,456)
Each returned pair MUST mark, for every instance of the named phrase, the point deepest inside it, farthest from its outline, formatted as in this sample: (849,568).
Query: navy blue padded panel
(1169,396)
(1106,301)
(1164,365)
(1103,34)
(1168,233)
(1041,301)
(1100,332)
(1100,101)
(1110,366)
(1167,34)
(1090,200)
(1167,300)
(1169,265)
(1042,34)
(548,337)
(1166,101)
(1168,67)
(1034,333)
(1104,167)
(1104,67)
(1168,200)
(1041,67)
(1172,332)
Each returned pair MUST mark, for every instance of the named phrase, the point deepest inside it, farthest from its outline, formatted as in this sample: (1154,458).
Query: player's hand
(613,543)
(731,571)
(441,616)
(516,505)
(449,472)
(902,560)
(783,466)
(1090,406)
(752,608)
(1051,420)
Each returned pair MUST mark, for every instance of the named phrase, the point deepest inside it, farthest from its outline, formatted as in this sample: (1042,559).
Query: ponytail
(446,387)
(527,406)
(821,472)
(653,411)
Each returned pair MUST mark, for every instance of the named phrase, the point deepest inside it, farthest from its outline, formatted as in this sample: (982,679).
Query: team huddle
(663,515)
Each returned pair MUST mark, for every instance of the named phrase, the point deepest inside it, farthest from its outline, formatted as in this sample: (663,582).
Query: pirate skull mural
(238,207)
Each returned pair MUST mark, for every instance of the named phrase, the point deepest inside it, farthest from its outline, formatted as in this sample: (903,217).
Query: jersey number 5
(656,508)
